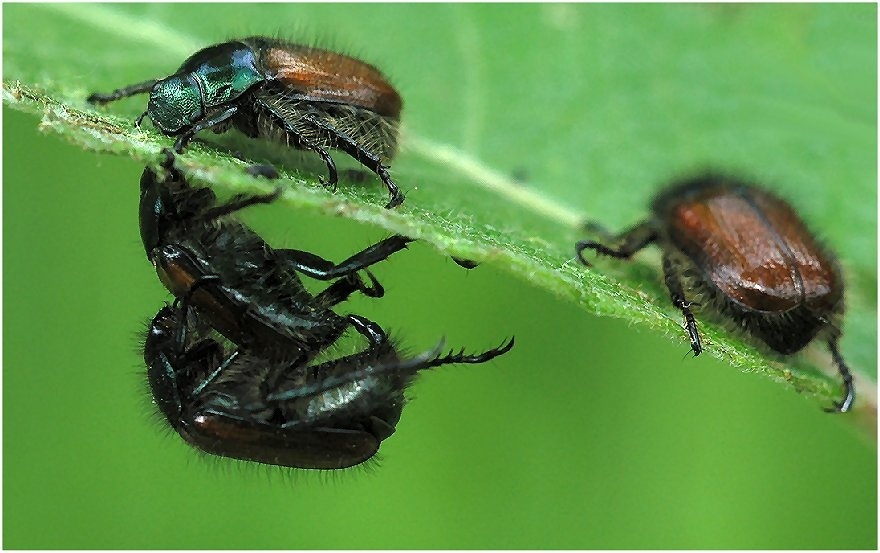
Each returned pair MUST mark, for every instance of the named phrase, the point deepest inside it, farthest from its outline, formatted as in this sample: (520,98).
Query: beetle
(230,403)
(247,290)
(745,253)
(301,96)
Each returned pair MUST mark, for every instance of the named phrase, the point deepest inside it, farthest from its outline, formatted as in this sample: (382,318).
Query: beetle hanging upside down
(241,366)
(330,415)
(245,289)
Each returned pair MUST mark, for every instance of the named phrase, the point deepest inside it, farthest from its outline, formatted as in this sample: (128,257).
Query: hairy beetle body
(303,97)
(247,290)
(330,415)
(756,257)
(744,252)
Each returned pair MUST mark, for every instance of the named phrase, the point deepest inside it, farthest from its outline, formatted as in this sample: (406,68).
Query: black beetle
(303,97)
(247,290)
(746,254)
(330,415)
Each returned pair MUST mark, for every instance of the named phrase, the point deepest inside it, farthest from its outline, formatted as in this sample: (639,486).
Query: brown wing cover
(755,249)
(818,271)
(321,75)
(319,448)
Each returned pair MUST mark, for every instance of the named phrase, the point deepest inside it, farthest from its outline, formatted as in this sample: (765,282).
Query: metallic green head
(175,103)
(210,78)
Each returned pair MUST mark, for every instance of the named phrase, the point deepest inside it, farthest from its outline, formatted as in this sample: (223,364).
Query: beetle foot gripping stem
(849,397)
(690,323)
(396,196)
(167,162)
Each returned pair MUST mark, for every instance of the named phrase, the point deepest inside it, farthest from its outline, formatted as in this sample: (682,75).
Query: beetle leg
(301,142)
(180,338)
(676,292)
(426,360)
(239,202)
(435,360)
(368,159)
(215,373)
(367,328)
(205,348)
(374,290)
(340,290)
(167,163)
(332,175)
(597,229)
(207,123)
(336,328)
(850,396)
(630,241)
(317,267)
(139,88)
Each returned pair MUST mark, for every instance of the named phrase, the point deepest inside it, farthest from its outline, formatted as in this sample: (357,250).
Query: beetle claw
(328,183)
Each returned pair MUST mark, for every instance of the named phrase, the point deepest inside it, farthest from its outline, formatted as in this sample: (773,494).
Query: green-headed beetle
(304,97)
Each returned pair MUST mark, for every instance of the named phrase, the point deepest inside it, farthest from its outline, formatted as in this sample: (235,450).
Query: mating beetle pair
(232,365)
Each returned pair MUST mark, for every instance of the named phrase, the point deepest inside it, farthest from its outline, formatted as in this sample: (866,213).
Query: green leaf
(515,133)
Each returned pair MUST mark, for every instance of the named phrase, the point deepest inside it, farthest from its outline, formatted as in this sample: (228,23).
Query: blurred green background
(590,434)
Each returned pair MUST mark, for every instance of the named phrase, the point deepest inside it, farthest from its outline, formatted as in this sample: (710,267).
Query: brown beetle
(331,414)
(746,254)
(301,96)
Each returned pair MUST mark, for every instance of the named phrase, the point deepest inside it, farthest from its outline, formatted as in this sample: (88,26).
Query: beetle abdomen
(311,120)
